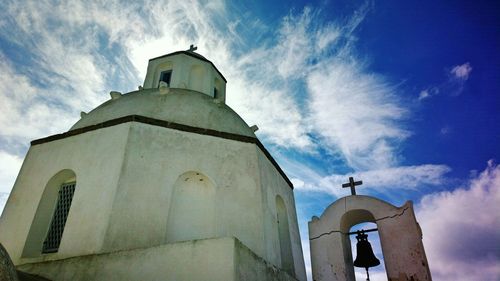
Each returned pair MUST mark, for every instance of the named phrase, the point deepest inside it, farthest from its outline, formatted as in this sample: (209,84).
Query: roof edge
(170,125)
(194,55)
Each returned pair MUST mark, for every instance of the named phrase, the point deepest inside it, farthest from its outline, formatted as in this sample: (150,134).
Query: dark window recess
(53,239)
(216,93)
(165,76)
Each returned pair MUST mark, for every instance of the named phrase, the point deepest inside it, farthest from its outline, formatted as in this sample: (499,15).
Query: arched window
(284,237)
(65,196)
(192,208)
(47,228)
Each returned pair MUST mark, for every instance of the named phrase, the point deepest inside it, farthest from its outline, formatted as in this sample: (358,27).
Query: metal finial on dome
(192,48)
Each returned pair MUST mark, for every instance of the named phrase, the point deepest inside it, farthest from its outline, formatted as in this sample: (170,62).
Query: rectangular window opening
(216,93)
(165,76)
(53,239)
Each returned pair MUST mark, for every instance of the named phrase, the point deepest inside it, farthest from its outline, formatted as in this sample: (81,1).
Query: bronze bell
(365,257)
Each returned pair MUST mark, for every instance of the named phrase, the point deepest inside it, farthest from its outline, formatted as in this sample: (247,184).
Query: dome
(181,106)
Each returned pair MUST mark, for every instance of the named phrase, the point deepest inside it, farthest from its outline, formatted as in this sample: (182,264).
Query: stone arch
(197,78)
(284,236)
(192,208)
(400,239)
(374,240)
(44,213)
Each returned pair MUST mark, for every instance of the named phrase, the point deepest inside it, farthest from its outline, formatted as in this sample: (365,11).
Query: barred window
(53,239)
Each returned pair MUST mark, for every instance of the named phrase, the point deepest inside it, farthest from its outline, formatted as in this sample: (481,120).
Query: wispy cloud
(27,111)
(401,178)
(308,60)
(355,114)
(461,72)
(427,93)
(9,168)
(453,85)
(3,200)
(305,89)
(460,229)
(458,75)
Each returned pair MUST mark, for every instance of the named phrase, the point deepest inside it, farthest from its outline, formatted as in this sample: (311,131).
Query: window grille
(53,239)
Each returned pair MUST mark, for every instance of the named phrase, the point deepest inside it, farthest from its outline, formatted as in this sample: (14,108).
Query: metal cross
(352,184)
(192,48)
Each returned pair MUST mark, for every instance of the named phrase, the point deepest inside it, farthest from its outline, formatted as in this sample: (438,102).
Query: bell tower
(399,231)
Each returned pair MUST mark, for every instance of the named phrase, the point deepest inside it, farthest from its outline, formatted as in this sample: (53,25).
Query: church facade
(163,183)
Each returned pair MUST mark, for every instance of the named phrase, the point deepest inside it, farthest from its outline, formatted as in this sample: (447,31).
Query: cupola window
(165,76)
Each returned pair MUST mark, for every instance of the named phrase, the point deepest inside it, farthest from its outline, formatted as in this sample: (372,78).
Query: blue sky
(401,94)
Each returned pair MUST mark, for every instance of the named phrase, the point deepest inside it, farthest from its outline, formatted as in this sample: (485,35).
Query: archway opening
(377,273)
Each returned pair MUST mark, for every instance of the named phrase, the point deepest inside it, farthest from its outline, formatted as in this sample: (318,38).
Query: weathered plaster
(196,260)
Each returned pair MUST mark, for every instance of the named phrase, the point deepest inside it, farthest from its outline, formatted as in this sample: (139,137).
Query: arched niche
(284,236)
(192,208)
(400,239)
(44,213)
(197,78)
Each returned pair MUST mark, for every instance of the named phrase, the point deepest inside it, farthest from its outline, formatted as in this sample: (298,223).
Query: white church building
(163,183)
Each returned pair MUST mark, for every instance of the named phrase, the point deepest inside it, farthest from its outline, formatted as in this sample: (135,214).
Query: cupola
(186,70)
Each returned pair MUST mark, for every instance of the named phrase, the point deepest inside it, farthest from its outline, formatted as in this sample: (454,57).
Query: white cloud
(72,68)
(424,94)
(461,229)
(255,89)
(9,168)
(294,45)
(403,177)
(342,99)
(427,93)
(454,85)
(74,49)
(355,112)
(25,112)
(3,200)
(277,115)
(461,72)
(307,256)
